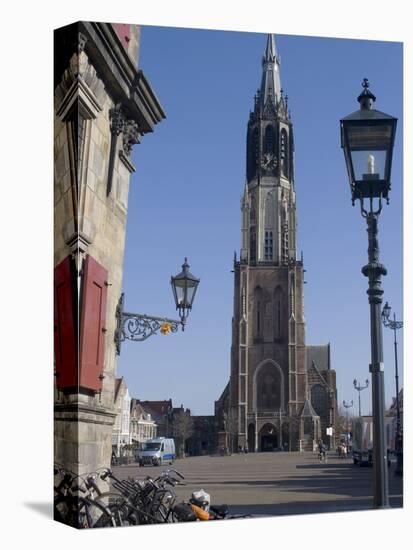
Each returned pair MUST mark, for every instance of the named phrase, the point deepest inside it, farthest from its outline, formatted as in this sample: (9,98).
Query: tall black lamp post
(138,326)
(394,326)
(367,138)
(357,385)
(347,406)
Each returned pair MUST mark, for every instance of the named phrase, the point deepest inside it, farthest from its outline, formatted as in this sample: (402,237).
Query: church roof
(308,409)
(270,82)
(224,394)
(320,356)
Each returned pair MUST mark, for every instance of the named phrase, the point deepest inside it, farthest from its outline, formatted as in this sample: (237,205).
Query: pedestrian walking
(321,451)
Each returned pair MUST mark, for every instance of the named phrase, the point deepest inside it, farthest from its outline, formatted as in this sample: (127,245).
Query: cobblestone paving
(277,483)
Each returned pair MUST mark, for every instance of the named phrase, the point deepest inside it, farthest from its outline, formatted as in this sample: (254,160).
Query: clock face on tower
(268,161)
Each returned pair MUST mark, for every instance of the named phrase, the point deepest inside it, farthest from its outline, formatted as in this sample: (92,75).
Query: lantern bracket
(138,327)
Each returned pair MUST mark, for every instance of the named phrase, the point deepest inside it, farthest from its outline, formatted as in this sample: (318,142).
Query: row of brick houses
(133,423)
(137,421)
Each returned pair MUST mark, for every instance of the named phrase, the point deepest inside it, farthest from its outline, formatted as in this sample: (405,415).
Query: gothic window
(259,312)
(278,318)
(243,302)
(269,211)
(252,152)
(252,208)
(268,388)
(253,245)
(319,400)
(250,157)
(269,139)
(292,293)
(284,153)
(278,301)
(256,144)
(268,246)
(285,243)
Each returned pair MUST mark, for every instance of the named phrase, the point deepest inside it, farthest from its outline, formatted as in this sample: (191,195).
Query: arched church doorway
(251,438)
(268,438)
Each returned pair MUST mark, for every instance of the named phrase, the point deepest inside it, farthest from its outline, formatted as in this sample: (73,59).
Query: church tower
(268,382)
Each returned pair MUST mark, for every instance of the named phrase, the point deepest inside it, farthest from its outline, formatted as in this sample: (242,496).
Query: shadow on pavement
(306,488)
(311,507)
(43,508)
(351,484)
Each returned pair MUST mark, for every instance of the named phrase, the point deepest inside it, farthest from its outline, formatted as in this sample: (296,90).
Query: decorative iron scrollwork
(139,327)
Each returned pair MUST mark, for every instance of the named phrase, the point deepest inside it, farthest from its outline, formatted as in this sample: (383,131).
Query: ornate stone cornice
(124,83)
(121,124)
(79,88)
(75,412)
(131,136)
(97,50)
(81,42)
(117,119)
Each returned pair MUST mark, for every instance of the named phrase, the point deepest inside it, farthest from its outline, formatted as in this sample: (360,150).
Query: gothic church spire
(270,82)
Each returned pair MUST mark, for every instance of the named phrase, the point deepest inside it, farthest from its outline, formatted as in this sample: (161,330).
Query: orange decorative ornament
(166,328)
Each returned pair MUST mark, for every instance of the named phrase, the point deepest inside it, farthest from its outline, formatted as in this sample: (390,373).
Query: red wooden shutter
(65,330)
(123,30)
(92,325)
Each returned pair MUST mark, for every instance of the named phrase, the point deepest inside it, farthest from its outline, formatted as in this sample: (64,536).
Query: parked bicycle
(75,504)
(80,501)
(136,502)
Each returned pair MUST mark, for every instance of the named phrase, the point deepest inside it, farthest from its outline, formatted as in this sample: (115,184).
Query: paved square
(277,483)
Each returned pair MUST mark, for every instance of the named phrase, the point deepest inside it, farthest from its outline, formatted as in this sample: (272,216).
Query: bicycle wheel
(123,512)
(92,514)
(81,512)
(160,507)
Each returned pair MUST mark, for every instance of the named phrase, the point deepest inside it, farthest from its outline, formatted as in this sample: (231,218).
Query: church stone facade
(281,393)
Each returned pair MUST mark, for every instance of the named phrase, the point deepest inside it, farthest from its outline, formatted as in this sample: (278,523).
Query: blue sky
(185,195)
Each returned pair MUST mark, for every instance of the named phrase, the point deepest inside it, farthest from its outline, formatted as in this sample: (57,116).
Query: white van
(157,451)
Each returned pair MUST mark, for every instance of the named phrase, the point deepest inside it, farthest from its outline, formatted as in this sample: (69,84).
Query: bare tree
(345,422)
(183,427)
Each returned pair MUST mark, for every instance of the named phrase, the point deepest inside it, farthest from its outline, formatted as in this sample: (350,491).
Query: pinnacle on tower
(270,83)
(270,51)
